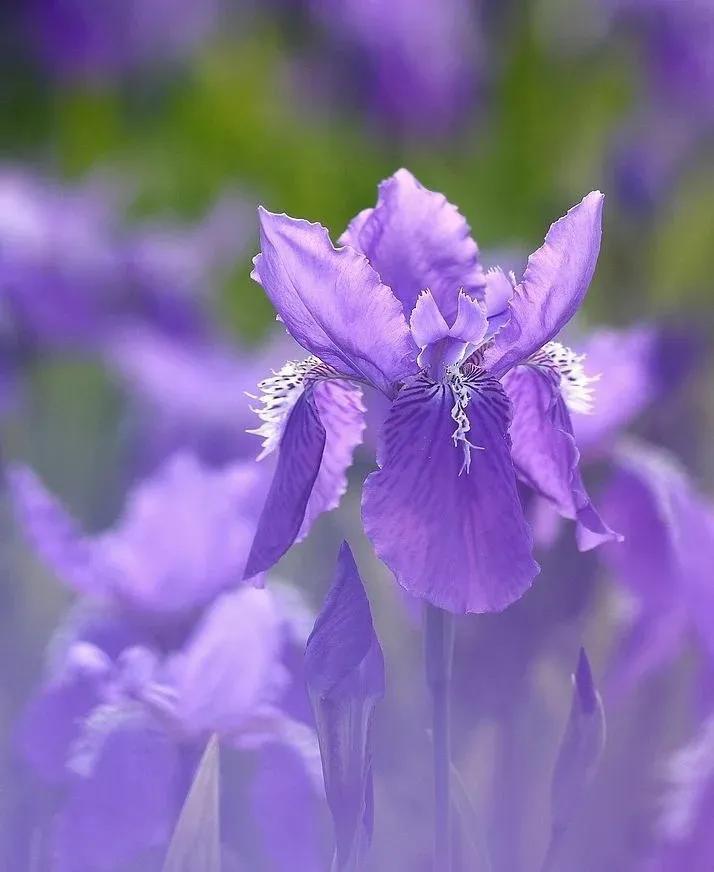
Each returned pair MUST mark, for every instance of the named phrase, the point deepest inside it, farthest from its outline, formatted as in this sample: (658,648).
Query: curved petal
(647,497)
(53,718)
(637,365)
(416,239)
(125,803)
(553,286)
(332,301)
(544,450)
(299,457)
(322,430)
(54,533)
(230,667)
(427,323)
(184,534)
(457,540)
(341,410)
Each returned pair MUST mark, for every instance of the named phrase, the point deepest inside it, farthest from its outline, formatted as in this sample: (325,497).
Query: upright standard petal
(344,671)
(544,450)
(416,239)
(553,286)
(452,532)
(332,302)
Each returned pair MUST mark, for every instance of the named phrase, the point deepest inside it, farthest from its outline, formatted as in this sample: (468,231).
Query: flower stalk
(438,657)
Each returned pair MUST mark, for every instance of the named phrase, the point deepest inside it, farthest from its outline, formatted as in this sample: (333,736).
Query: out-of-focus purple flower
(60,268)
(121,748)
(580,750)
(176,259)
(182,539)
(678,38)
(443,510)
(649,155)
(685,831)
(677,41)
(85,40)
(73,274)
(385,44)
(633,368)
(344,671)
(190,394)
(665,560)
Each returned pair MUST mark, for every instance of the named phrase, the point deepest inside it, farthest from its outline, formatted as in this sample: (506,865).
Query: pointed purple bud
(344,671)
(581,748)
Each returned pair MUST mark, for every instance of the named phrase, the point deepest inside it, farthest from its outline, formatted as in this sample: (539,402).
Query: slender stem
(438,650)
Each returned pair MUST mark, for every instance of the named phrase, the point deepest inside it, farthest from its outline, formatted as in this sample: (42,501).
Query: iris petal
(318,439)
(333,302)
(544,450)
(457,540)
(553,286)
(416,239)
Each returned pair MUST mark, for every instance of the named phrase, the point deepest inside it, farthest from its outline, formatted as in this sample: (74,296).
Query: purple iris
(684,827)
(386,44)
(120,734)
(164,648)
(478,352)
(73,274)
(181,540)
(665,561)
(84,39)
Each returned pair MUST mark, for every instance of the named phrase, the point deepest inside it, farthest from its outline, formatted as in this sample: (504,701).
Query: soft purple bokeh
(165,647)
(380,49)
(73,273)
(85,40)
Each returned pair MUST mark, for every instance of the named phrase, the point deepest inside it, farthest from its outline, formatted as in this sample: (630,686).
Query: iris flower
(465,355)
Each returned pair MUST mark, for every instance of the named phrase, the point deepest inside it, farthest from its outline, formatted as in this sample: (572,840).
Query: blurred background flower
(136,139)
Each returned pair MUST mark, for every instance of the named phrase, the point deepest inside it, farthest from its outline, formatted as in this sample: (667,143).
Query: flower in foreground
(479,350)
(344,671)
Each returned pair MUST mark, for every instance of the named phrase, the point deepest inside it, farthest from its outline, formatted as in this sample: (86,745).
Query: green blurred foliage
(238,116)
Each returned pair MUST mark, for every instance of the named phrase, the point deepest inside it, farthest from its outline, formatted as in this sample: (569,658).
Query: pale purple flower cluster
(164,649)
